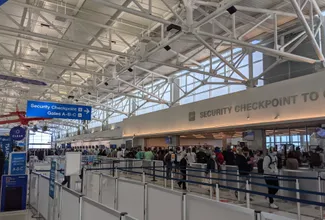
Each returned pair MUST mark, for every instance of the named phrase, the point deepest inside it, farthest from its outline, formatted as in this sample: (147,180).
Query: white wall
(302,93)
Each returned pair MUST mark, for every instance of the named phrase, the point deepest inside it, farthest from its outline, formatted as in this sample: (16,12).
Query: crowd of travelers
(267,163)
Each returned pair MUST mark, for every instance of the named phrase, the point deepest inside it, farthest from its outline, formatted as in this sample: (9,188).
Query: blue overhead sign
(57,110)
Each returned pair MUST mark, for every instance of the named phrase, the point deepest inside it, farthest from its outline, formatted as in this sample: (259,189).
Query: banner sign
(6,146)
(17,163)
(17,133)
(13,192)
(52,179)
(57,110)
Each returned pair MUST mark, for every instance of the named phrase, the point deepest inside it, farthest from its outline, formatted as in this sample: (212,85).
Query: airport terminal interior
(162,109)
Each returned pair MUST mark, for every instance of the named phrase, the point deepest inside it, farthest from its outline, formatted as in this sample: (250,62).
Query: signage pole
(52,190)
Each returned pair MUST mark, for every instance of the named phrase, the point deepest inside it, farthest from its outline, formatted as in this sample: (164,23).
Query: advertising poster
(13,192)
(17,163)
(6,146)
(52,179)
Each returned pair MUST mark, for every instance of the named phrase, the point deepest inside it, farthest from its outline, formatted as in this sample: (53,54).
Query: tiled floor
(22,215)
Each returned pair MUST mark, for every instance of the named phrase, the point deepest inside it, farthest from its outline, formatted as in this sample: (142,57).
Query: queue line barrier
(146,201)
(247,191)
(67,203)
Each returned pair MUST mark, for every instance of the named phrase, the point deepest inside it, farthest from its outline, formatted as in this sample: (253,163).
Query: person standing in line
(140,154)
(182,167)
(292,162)
(191,156)
(119,154)
(270,167)
(148,155)
(245,165)
(169,158)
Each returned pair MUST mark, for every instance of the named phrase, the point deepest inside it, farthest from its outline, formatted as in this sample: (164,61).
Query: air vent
(59,18)
(43,50)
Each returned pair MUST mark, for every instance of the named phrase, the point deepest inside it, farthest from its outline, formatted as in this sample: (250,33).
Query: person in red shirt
(219,156)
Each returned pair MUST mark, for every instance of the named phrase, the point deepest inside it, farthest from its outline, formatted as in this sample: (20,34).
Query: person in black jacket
(245,164)
(229,156)
(182,167)
(201,156)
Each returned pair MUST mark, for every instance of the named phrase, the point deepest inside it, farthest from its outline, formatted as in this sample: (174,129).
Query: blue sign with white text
(17,164)
(52,179)
(13,192)
(6,146)
(57,110)
(17,133)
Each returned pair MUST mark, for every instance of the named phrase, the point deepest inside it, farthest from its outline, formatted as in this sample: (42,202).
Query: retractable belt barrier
(303,201)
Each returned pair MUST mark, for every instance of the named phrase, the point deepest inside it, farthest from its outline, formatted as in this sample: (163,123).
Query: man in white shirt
(270,167)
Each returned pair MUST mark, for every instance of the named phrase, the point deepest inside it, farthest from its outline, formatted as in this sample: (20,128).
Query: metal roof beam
(67,42)
(69,17)
(269,51)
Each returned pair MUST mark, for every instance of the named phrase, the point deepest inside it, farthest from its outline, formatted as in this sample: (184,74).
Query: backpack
(315,160)
(260,164)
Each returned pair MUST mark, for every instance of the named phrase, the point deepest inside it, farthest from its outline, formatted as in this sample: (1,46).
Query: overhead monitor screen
(320,132)
(249,135)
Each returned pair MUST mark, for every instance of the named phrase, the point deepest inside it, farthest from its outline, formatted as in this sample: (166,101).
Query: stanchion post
(115,194)
(172,181)
(210,182)
(143,177)
(80,208)
(238,186)
(320,197)
(84,181)
(165,177)
(116,173)
(154,171)
(186,179)
(29,185)
(184,206)
(113,168)
(298,203)
(38,214)
(217,192)
(100,188)
(248,199)
(60,202)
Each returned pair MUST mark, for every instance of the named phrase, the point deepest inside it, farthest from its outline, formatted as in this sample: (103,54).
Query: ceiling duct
(44,50)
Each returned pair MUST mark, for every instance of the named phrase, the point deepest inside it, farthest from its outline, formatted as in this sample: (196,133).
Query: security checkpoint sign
(58,110)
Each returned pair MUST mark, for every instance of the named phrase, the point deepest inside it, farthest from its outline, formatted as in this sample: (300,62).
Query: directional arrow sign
(58,110)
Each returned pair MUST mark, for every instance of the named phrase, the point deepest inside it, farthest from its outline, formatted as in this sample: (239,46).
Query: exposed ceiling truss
(107,54)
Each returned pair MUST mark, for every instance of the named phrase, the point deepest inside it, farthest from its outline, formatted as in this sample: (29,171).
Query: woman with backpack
(270,169)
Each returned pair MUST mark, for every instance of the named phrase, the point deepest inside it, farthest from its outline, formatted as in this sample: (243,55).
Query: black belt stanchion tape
(154,171)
